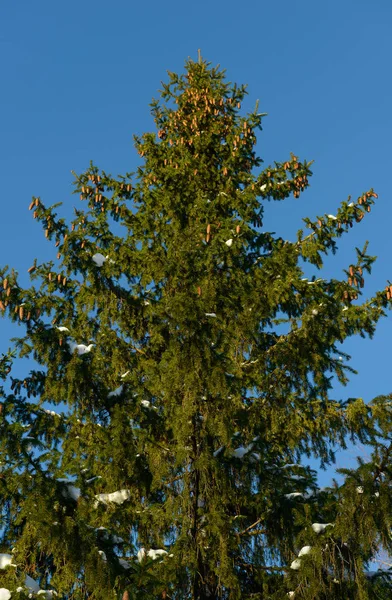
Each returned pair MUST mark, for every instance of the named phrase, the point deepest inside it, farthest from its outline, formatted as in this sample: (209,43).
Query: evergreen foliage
(182,375)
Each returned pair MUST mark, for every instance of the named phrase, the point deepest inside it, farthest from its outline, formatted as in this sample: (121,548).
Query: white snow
(5,561)
(141,555)
(263,187)
(71,491)
(320,527)
(332,217)
(5,594)
(304,550)
(31,584)
(81,348)
(116,539)
(99,259)
(102,555)
(50,412)
(210,314)
(360,489)
(117,392)
(62,328)
(125,374)
(217,452)
(145,403)
(154,554)
(118,497)
(295,565)
(351,204)
(241,451)
(88,481)
(125,564)
(229,242)
(293,495)
(290,594)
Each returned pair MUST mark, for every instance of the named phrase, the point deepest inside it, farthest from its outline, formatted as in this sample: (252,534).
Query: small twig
(250,527)
(160,446)
(258,532)
(265,567)
(175,478)
(140,351)
(251,362)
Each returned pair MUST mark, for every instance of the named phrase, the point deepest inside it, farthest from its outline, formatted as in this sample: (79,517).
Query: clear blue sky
(77,79)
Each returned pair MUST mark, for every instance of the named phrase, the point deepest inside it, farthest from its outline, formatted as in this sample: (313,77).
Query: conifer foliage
(180,376)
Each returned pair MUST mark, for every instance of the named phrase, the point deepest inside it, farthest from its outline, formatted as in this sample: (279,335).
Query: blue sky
(77,79)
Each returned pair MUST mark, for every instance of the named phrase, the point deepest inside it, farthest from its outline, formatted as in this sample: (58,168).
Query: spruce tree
(183,368)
